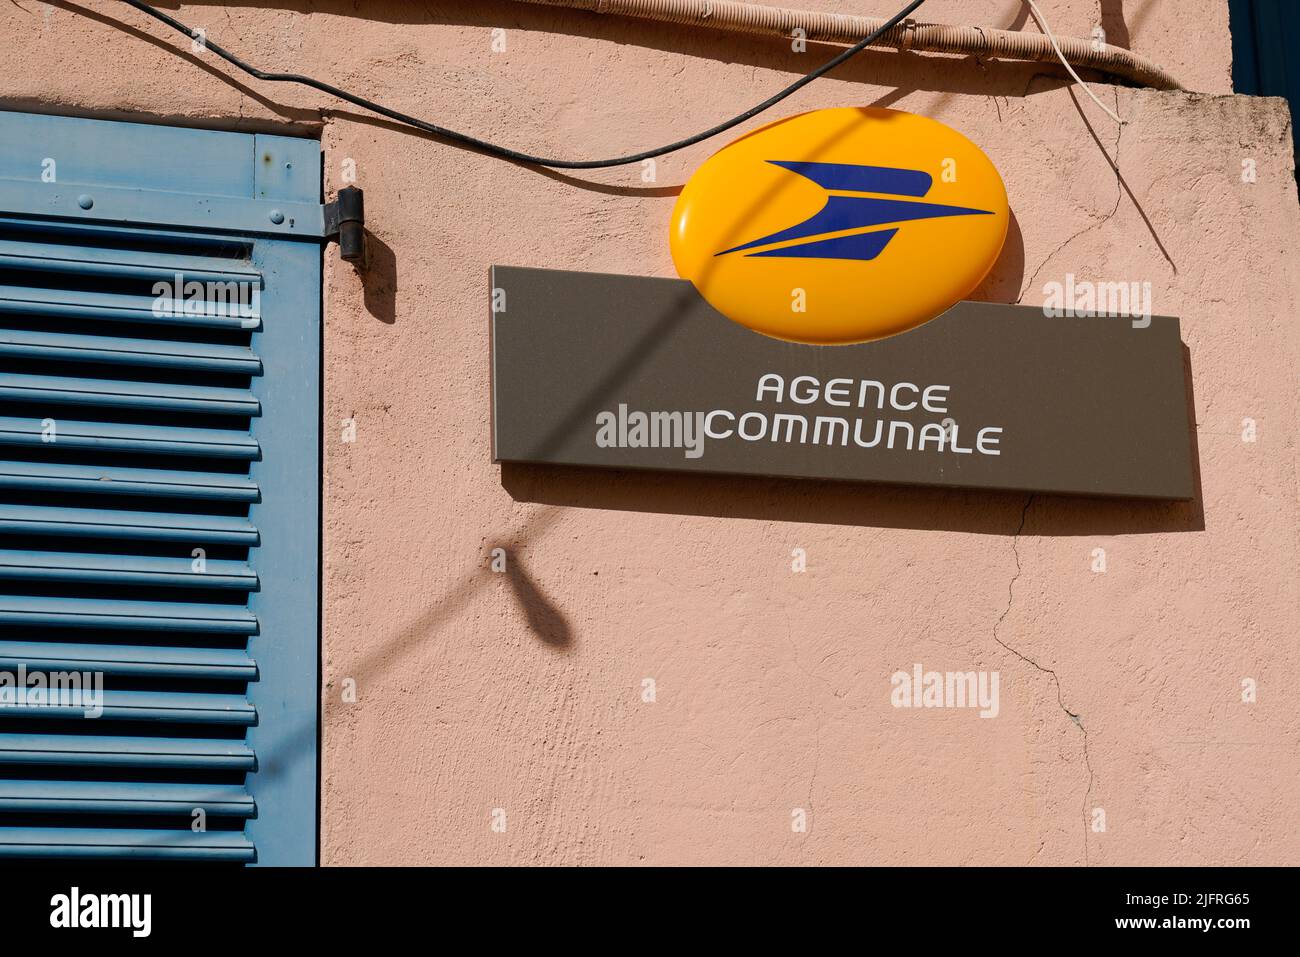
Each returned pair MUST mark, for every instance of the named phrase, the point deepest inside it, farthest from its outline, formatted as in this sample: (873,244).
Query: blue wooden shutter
(130,437)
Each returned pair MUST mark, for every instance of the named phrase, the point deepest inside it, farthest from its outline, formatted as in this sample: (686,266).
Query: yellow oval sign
(840,225)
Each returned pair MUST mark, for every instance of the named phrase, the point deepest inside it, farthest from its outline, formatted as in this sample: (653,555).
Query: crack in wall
(1119,198)
(1060,699)
(1114,161)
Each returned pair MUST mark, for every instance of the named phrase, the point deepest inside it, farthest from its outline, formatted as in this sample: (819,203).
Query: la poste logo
(840,225)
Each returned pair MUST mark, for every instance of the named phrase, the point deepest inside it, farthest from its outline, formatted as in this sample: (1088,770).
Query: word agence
(624,428)
(836,430)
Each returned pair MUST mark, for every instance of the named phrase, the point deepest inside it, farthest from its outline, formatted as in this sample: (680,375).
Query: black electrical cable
(505,152)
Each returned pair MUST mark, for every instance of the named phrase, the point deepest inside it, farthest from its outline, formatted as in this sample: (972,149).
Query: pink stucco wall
(523,691)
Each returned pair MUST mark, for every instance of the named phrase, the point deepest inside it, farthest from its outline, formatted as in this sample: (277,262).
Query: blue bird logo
(850,212)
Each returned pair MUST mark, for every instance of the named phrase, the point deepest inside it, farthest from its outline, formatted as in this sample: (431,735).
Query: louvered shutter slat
(61,390)
(110,523)
(151,660)
(129,438)
(58,478)
(190,356)
(116,307)
(124,843)
(115,797)
(109,613)
(125,570)
(141,706)
(122,263)
(74,750)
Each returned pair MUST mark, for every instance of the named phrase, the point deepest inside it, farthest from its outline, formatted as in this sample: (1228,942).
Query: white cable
(1042,25)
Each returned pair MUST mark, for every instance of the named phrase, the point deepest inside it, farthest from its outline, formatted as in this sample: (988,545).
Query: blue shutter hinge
(345,220)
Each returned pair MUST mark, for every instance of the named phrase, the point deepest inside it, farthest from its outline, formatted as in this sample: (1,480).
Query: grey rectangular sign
(638,373)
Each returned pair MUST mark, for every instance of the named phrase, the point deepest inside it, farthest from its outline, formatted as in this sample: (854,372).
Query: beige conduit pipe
(909,35)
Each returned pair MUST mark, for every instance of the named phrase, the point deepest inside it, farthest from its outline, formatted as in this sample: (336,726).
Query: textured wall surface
(1120,690)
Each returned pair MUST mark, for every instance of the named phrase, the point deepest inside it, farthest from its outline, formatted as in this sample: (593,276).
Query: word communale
(624,428)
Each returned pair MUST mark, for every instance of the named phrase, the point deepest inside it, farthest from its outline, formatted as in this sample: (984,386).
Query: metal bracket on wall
(345,220)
